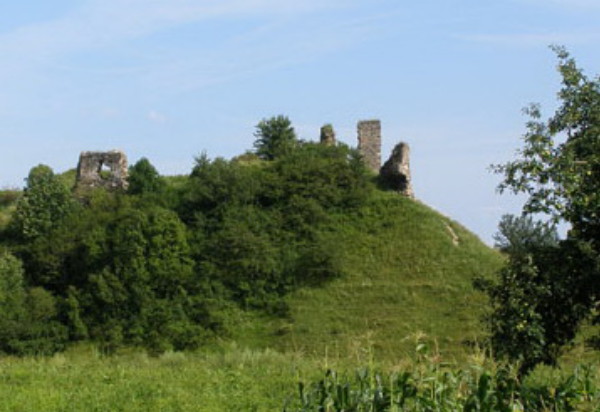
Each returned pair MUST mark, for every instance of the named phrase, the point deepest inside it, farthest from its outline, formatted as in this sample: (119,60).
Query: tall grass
(440,388)
(229,378)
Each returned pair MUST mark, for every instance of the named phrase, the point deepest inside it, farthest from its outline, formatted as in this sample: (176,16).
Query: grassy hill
(408,272)
(406,275)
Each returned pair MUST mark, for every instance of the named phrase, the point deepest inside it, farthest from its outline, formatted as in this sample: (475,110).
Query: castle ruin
(369,143)
(102,169)
(395,172)
(328,135)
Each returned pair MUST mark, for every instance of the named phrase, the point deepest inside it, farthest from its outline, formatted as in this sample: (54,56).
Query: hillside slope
(408,271)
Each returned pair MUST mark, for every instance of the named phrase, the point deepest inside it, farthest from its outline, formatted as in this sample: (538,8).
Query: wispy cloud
(268,47)
(99,23)
(281,36)
(526,40)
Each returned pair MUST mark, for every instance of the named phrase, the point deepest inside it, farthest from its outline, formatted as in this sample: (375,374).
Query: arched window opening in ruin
(105,171)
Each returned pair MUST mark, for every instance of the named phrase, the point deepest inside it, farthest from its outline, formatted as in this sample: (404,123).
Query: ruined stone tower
(395,172)
(328,135)
(369,143)
(102,169)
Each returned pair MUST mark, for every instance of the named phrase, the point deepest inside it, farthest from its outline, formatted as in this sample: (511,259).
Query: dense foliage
(274,137)
(45,202)
(433,387)
(549,287)
(155,265)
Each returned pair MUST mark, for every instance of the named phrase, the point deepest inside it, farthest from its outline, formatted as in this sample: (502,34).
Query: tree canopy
(548,286)
(274,137)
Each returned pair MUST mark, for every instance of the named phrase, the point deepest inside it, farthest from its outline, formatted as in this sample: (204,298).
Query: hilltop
(298,246)
(406,272)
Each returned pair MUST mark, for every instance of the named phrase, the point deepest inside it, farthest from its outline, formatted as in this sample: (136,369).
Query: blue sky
(169,79)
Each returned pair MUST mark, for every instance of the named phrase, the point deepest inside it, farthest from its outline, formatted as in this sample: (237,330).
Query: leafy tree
(256,225)
(333,176)
(559,165)
(144,178)
(274,137)
(28,323)
(12,293)
(217,184)
(45,202)
(520,234)
(123,274)
(145,283)
(549,287)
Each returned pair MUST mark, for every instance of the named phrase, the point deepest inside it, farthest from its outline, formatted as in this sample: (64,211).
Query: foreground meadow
(234,379)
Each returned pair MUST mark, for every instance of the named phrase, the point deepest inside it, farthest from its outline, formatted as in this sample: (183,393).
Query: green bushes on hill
(149,267)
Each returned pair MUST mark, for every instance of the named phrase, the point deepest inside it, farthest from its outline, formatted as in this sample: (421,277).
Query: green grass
(222,378)
(407,271)
(81,380)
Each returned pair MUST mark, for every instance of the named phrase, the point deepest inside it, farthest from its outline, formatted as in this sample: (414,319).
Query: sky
(171,79)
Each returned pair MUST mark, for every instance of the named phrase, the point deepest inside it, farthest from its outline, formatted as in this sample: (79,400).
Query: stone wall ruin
(369,143)
(102,169)
(395,172)
(328,135)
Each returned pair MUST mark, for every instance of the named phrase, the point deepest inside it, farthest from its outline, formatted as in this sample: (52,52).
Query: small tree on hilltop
(274,137)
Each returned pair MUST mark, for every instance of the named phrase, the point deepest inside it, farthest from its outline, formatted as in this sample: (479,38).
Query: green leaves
(45,202)
(559,164)
(549,286)
(435,388)
(275,137)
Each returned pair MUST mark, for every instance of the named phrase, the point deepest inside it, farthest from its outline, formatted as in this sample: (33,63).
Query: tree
(28,324)
(274,137)
(548,288)
(559,166)
(144,178)
(535,306)
(45,202)
(520,234)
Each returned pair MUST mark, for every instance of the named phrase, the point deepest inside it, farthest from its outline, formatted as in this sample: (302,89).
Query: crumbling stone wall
(328,135)
(395,173)
(102,169)
(369,143)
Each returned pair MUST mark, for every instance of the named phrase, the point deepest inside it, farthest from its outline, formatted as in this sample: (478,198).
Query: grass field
(226,378)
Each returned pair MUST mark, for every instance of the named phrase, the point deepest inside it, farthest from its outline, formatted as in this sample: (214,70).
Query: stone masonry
(395,172)
(369,143)
(328,135)
(102,169)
